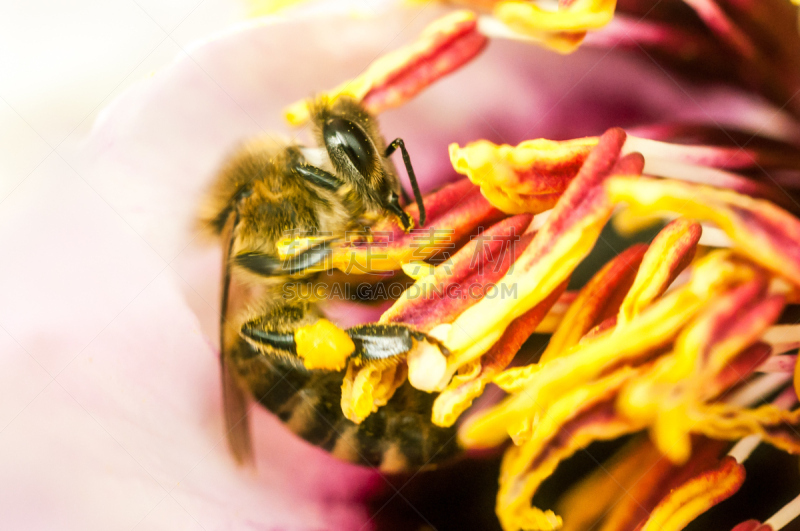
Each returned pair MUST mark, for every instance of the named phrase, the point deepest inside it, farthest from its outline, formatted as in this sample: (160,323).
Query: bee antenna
(398,143)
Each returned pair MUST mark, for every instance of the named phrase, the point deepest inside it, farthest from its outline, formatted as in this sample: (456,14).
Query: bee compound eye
(344,135)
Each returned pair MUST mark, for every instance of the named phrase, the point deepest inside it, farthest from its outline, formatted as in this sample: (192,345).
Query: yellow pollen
(323,345)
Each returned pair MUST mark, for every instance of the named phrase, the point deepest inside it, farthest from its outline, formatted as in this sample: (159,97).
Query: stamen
(539,220)
(718,22)
(755,391)
(426,367)
(693,173)
(495,29)
(782,334)
(715,237)
(782,364)
(426,364)
(744,448)
(789,512)
(707,156)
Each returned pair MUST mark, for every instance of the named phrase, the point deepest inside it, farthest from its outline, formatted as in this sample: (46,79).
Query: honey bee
(264,190)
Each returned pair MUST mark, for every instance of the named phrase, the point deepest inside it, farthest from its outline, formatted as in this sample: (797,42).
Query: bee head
(356,150)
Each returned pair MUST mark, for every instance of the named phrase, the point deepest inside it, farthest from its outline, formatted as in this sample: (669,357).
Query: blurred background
(62,62)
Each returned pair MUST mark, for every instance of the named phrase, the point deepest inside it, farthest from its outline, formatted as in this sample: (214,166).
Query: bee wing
(237,424)
(234,399)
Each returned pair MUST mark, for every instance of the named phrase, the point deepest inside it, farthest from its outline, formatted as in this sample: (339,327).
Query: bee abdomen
(398,437)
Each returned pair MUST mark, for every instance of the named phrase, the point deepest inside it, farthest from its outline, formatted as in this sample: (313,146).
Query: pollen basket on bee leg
(323,345)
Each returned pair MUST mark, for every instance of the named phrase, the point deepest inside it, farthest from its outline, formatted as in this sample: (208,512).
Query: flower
(130,430)
(627,356)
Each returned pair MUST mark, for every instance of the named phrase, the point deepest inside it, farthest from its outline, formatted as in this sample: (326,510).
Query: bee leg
(398,143)
(268,265)
(373,342)
(267,339)
(397,437)
(393,206)
(387,341)
(273,332)
(319,177)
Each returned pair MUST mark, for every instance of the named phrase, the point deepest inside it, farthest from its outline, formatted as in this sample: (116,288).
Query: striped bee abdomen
(398,437)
